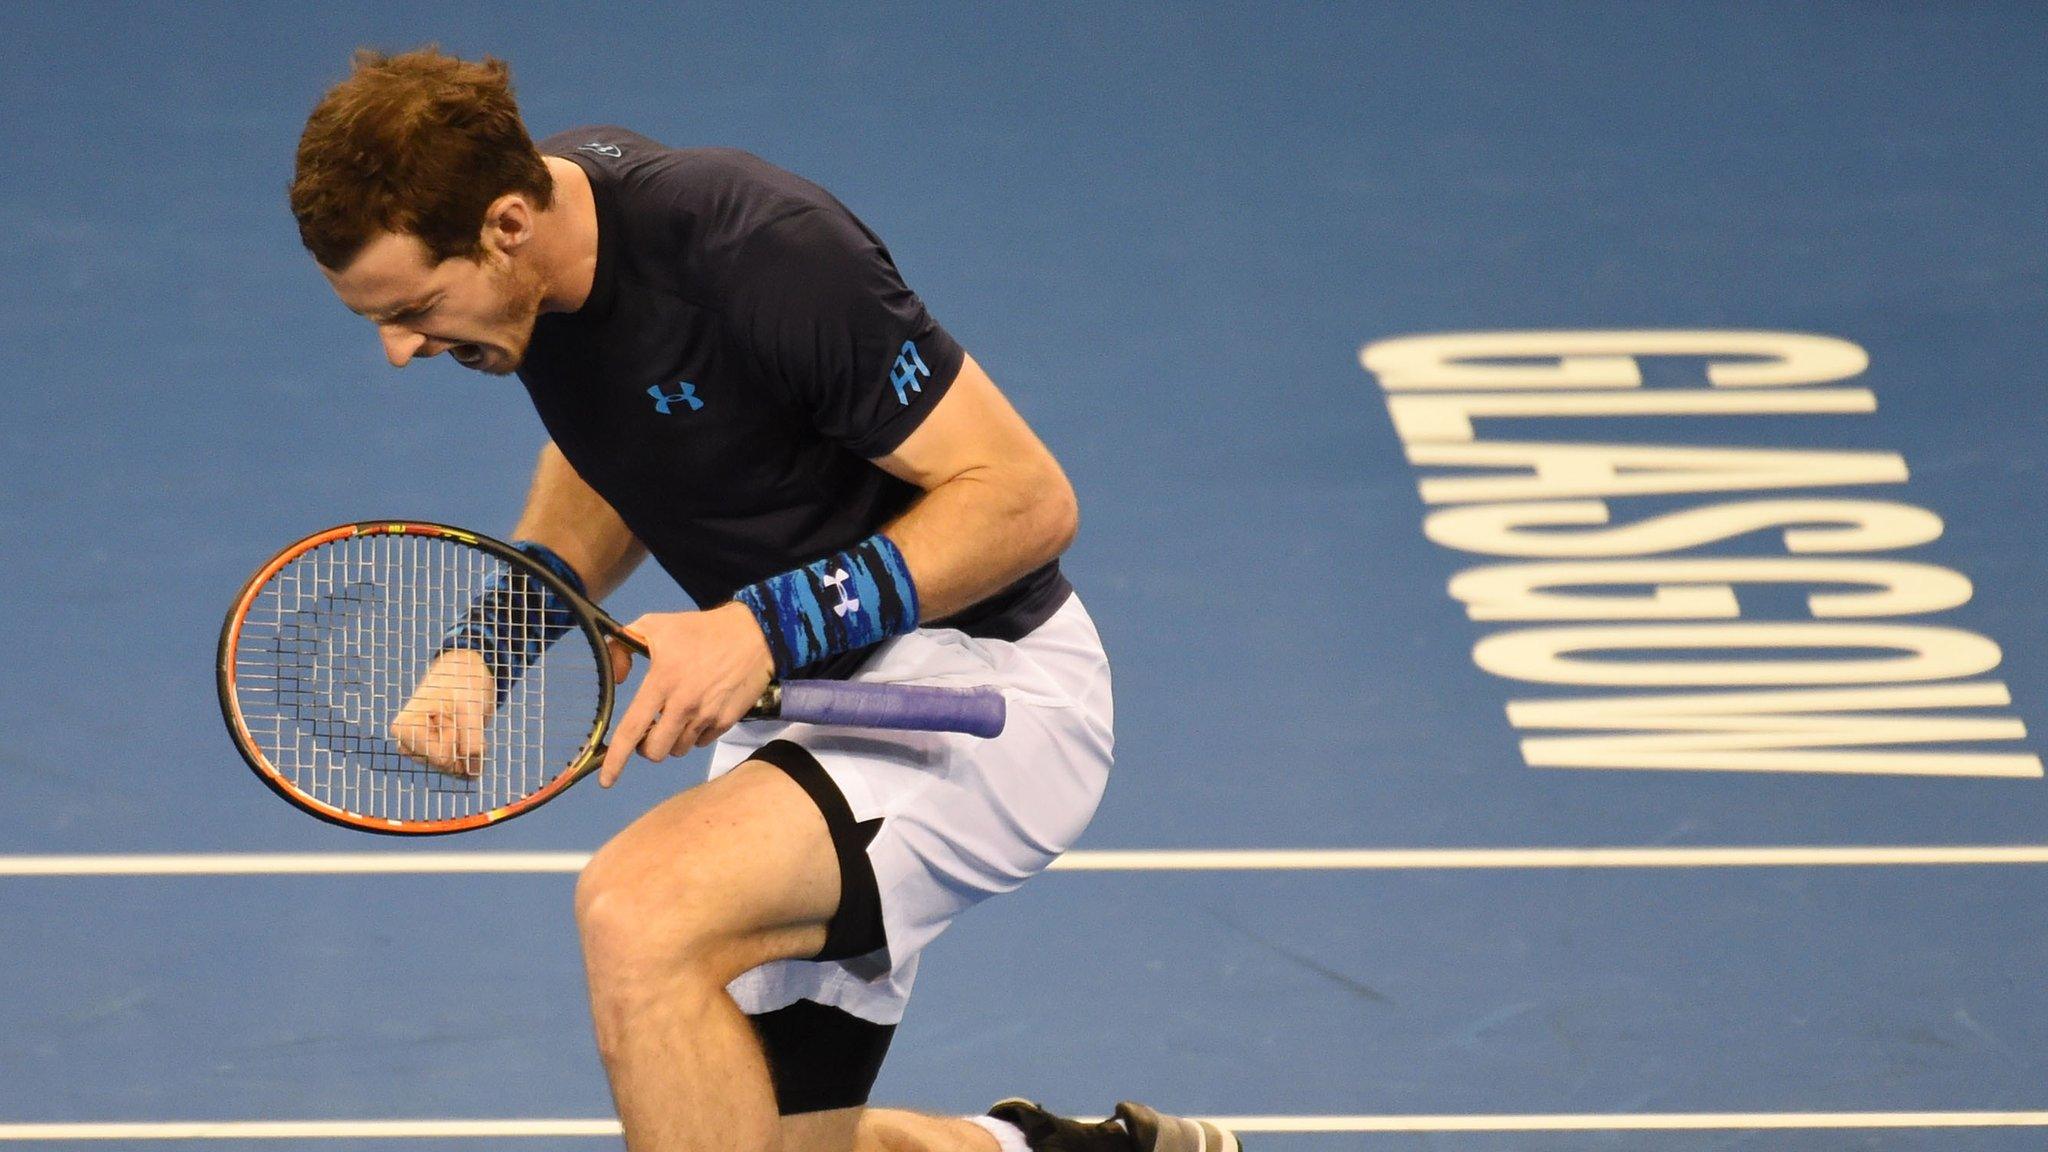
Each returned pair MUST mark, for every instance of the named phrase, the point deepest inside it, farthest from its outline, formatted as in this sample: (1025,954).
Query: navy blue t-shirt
(747,347)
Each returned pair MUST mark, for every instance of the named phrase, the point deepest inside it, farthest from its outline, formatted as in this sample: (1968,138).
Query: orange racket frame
(588,617)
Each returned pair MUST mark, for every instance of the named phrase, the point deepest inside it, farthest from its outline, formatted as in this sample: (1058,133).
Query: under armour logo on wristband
(909,366)
(688,395)
(790,606)
(837,582)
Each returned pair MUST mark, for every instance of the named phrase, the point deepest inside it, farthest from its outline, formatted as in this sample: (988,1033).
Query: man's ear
(508,223)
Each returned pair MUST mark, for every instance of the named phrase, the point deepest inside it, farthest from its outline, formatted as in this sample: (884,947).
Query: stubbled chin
(493,362)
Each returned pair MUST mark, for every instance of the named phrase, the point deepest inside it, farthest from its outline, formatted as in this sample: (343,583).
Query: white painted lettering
(1547,655)
(1446,418)
(1810,526)
(1700,589)
(1605,359)
(1556,471)
(1805,730)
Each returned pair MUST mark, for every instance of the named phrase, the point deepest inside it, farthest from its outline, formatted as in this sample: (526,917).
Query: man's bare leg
(889,1130)
(728,876)
(721,879)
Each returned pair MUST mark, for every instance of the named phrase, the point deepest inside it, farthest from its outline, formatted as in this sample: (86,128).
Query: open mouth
(467,355)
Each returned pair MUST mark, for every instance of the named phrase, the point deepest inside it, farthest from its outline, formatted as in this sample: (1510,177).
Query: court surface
(1168,232)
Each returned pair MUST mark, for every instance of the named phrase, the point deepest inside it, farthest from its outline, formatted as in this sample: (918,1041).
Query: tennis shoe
(1154,1132)
(1134,1128)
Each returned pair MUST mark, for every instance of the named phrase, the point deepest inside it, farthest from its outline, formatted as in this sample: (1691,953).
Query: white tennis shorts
(963,818)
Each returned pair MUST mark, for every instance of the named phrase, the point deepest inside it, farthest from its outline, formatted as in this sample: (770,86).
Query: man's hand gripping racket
(412,678)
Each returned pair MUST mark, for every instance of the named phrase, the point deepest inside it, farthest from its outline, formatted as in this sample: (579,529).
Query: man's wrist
(847,601)
(515,618)
(743,623)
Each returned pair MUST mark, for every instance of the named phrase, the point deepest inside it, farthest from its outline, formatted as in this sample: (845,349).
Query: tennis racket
(329,642)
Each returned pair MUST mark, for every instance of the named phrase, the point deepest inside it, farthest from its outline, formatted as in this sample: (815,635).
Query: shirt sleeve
(827,318)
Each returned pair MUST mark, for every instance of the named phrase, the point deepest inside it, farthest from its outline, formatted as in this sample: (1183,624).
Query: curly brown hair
(419,143)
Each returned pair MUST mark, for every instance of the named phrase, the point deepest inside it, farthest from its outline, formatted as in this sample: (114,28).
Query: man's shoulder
(717,218)
(712,176)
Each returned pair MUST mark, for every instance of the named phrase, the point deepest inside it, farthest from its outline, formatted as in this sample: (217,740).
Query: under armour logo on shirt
(611,150)
(688,395)
(837,582)
(909,366)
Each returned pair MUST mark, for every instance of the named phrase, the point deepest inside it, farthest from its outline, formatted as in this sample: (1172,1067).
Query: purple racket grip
(975,711)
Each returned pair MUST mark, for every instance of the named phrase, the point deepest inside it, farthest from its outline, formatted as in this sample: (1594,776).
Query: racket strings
(340,642)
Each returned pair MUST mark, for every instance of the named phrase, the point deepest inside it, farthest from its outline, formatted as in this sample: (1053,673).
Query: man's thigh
(744,863)
(941,821)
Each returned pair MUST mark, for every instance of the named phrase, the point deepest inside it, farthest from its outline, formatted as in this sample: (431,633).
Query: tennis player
(736,381)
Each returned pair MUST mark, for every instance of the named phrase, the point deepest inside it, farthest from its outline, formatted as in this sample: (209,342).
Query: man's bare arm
(996,504)
(444,723)
(568,516)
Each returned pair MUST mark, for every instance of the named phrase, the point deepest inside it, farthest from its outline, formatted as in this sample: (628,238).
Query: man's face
(480,311)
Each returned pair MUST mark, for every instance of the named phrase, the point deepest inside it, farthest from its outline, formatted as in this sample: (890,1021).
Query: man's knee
(710,884)
(633,927)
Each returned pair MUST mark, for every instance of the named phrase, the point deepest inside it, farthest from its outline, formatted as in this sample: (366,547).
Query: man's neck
(569,261)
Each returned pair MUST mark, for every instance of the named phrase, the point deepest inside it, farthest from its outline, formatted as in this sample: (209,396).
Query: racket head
(326,642)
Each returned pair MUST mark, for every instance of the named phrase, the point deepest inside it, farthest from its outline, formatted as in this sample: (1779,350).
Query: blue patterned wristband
(515,618)
(845,602)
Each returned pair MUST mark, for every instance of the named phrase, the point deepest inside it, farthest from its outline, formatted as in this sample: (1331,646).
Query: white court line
(1366,859)
(310,1130)
(500,1129)
(1639,1122)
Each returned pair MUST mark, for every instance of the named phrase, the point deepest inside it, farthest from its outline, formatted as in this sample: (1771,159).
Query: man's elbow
(1061,512)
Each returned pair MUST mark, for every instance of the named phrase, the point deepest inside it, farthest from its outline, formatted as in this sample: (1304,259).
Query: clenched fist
(443,725)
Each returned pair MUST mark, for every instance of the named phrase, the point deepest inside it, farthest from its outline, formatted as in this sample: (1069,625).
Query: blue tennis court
(1608,725)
